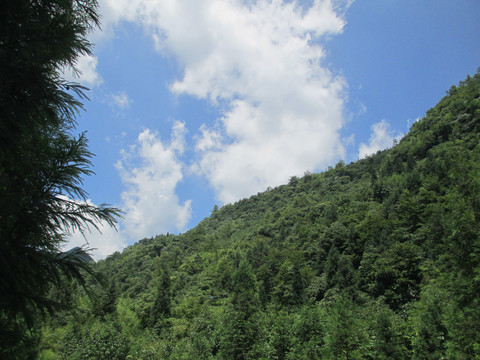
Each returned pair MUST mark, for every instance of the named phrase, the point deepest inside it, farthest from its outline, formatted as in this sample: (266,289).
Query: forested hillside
(377,259)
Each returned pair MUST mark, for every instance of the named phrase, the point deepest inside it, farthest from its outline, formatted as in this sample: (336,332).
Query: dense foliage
(378,259)
(41,162)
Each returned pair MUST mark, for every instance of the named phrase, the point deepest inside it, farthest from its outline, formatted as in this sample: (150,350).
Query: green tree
(161,306)
(99,340)
(288,288)
(429,338)
(309,333)
(397,275)
(345,328)
(42,163)
(386,341)
(280,335)
(240,326)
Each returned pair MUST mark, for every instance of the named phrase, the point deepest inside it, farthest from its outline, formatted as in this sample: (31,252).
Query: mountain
(377,259)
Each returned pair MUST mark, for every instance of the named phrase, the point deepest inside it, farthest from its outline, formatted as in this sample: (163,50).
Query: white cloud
(362,110)
(114,11)
(410,122)
(103,243)
(261,61)
(348,140)
(381,138)
(208,140)
(120,100)
(87,71)
(151,171)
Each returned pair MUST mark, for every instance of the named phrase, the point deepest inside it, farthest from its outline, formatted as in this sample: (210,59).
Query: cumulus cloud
(86,71)
(103,242)
(151,170)
(261,63)
(381,138)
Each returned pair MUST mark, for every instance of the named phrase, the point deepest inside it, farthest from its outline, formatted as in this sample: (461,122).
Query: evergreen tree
(430,331)
(41,163)
(240,327)
(161,305)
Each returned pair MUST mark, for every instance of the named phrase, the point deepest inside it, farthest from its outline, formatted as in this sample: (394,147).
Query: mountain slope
(378,259)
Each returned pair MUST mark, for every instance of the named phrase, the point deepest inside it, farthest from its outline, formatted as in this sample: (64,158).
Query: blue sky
(196,103)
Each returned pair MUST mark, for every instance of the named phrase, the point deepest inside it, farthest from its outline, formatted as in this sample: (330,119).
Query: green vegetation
(378,259)
(41,163)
